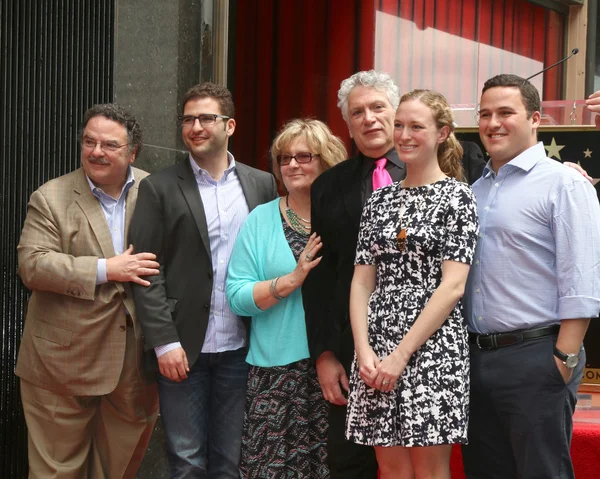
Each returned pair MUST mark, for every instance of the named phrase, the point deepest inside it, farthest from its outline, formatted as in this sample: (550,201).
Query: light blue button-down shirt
(114,212)
(226,210)
(538,256)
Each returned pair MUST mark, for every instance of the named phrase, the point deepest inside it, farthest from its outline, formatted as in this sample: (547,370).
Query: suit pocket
(51,333)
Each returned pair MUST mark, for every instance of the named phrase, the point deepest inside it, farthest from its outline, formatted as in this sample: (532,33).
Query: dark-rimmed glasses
(206,119)
(89,143)
(303,157)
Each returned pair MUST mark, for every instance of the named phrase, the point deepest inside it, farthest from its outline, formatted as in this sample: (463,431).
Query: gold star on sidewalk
(588,153)
(553,149)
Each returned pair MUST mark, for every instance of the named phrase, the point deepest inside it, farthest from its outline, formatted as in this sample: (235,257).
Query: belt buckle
(479,344)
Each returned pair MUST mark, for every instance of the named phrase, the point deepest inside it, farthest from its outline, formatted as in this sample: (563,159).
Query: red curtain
(453,46)
(291,55)
(289,61)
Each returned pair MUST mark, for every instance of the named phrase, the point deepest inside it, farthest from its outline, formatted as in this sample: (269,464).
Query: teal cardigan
(261,252)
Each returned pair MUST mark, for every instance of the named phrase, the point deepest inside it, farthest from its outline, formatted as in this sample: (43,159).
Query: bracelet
(273,290)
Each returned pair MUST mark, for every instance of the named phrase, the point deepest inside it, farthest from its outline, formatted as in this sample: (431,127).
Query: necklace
(402,235)
(298,224)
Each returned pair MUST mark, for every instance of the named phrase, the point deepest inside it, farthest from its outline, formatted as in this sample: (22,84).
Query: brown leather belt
(501,340)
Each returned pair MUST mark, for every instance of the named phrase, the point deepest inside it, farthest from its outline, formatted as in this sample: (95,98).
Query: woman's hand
(389,370)
(307,260)
(367,365)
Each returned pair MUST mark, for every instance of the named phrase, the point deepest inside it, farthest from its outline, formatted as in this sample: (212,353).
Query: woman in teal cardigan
(285,423)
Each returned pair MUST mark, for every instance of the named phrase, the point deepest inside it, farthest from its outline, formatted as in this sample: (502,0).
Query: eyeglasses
(206,119)
(90,144)
(283,160)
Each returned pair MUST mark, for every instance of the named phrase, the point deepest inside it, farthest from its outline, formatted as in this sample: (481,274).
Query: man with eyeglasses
(189,215)
(89,410)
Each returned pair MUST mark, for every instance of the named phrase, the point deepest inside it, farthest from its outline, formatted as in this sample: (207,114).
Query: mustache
(97,161)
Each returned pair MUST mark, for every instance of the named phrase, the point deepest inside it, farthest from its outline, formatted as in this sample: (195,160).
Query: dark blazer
(169,221)
(336,208)
(473,161)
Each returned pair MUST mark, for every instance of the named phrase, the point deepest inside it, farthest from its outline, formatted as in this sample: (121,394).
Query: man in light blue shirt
(189,215)
(533,287)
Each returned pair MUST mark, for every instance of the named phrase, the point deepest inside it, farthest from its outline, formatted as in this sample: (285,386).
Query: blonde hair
(319,138)
(450,152)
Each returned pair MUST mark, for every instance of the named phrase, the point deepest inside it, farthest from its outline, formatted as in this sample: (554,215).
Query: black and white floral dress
(429,405)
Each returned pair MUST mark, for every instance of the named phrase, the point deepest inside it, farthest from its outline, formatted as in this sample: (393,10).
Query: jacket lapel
(93,211)
(352,188)
(189,188)
(130,204)
(249,186)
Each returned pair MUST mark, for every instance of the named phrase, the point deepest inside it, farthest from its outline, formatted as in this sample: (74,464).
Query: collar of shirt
(369,163)
(201,172)
(524,161)
(100,194)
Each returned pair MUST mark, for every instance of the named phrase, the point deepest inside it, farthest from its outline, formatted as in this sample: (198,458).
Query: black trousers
(347,460)
(521,413)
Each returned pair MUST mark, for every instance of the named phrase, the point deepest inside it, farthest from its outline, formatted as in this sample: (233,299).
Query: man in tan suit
(89,410)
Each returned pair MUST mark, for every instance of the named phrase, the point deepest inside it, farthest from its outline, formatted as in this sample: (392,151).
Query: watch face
(572,361)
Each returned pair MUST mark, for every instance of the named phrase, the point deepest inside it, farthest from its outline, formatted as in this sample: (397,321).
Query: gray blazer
(169,221)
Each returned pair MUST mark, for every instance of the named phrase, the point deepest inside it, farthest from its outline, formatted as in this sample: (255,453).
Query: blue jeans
(203,416)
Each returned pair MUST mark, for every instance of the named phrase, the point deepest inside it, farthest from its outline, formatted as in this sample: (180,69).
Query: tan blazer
(74,337)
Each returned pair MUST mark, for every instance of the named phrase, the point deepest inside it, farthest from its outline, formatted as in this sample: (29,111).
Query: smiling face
(206,142)
(106,169)
(416,135)
(370,121)
(298,177)
(504,127)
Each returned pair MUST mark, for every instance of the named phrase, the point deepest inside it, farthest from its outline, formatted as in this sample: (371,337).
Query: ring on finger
(385,382)
(308,256)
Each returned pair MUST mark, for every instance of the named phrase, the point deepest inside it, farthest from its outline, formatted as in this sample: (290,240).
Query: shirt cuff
(101,272)
(573,307)
(165,348)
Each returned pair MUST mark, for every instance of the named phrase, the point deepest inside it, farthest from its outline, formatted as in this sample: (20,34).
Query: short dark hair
(120,115)
(211,90)
(529,94)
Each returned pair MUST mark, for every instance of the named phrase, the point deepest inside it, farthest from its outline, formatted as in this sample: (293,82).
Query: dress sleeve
(462,225)
(364,253)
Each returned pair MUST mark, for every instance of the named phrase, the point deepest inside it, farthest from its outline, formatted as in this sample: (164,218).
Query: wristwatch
(570,360)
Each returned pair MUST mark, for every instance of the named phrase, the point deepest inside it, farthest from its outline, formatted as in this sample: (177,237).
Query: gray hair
(120,115)
(378,80)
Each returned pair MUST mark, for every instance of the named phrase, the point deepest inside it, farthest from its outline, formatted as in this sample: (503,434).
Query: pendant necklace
(298,224)
(401,237)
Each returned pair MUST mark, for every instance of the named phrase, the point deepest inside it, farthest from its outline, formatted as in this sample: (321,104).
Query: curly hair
(380,81)
(120,115)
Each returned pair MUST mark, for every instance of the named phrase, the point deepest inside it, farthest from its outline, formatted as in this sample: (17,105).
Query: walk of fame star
(587,153)
(554,149)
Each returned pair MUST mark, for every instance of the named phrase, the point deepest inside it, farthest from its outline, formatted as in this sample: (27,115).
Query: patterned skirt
(430,403)
(285,424)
